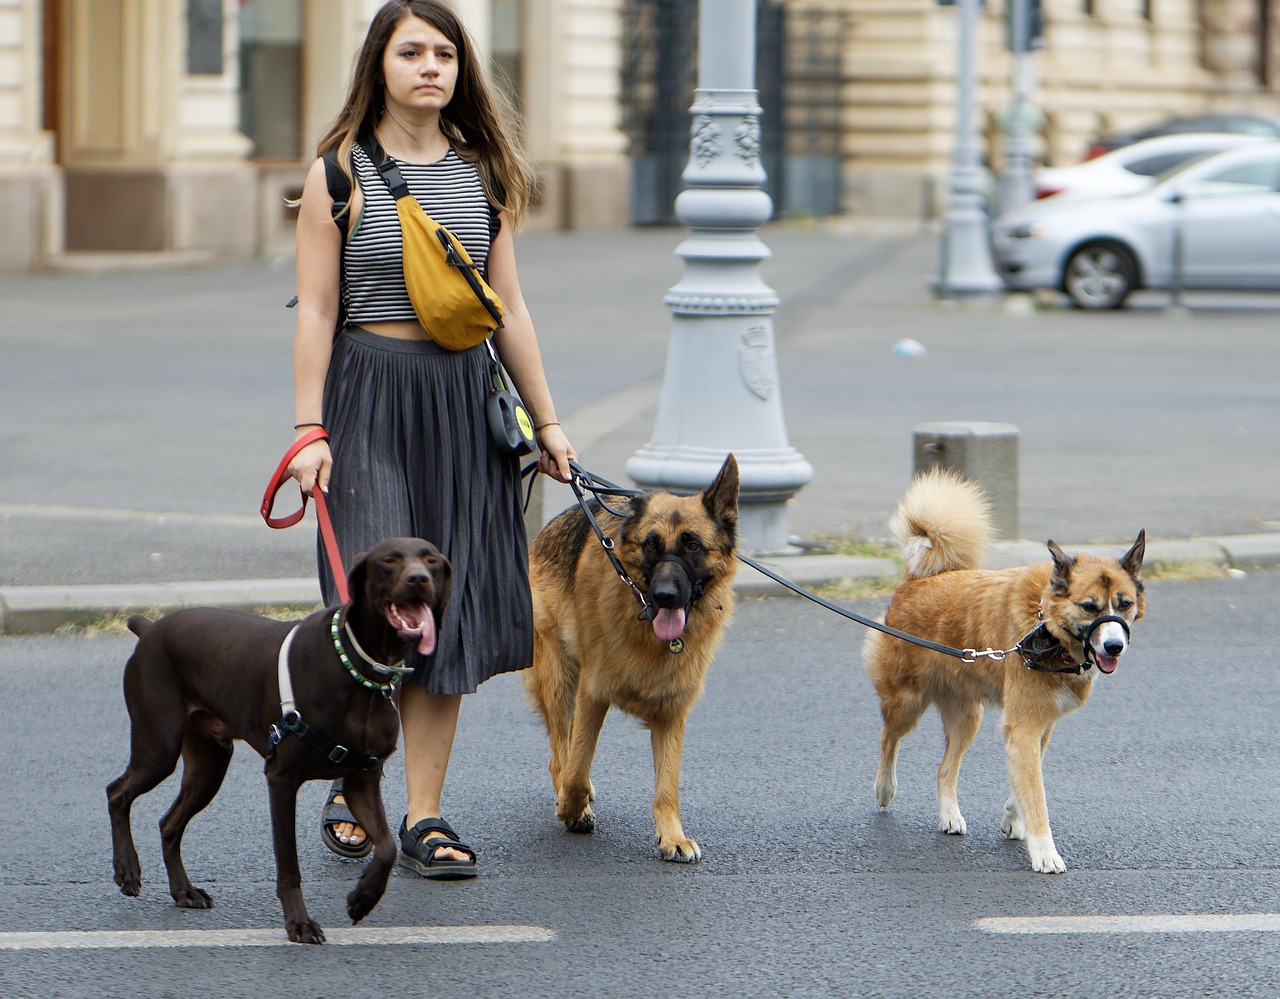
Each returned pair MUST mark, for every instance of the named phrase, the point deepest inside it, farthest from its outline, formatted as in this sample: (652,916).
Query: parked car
(1266,126)
(1133,167)
(1223,210)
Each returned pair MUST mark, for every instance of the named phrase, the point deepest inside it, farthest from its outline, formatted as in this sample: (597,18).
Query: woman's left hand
(555,453)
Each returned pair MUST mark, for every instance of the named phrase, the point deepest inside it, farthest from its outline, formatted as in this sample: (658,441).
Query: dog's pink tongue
(668,625)
(427,637)
(415,620)
(1107,664)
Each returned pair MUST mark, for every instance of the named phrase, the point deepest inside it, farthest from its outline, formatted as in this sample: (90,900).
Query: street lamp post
(1017,187)
(720,387)
(966,266)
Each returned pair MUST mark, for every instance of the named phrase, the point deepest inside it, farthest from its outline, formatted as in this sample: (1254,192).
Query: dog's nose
(1113,647)
(665,591)
(416,577)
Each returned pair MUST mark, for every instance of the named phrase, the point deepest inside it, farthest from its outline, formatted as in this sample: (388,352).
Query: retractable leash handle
(278,481)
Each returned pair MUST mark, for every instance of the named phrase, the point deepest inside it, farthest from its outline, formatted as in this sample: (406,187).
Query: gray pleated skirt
(412,457)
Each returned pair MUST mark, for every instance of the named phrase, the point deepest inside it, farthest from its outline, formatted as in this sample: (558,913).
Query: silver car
(1213,223)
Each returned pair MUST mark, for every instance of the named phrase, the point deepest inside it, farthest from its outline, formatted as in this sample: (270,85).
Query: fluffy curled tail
(943,523)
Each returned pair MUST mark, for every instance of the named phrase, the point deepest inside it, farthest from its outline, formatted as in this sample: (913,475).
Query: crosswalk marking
(365,936)
(1246,923)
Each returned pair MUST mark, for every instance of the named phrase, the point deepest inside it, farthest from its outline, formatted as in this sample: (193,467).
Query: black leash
(964,655)
(583,480)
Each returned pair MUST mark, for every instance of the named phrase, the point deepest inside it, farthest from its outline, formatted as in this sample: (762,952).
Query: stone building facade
(143,129)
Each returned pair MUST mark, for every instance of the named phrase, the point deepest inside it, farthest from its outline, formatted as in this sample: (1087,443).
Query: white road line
(1256,923)
(343,936)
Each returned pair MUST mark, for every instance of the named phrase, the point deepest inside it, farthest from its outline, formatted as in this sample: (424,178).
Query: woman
(408,450)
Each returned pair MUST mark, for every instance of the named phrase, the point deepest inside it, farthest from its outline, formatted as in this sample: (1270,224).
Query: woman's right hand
(311,465)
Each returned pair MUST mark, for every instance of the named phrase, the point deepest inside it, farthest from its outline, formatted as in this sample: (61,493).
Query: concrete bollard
(985,454)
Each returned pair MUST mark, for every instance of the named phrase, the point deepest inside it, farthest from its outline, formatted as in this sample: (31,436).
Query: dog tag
(675,646)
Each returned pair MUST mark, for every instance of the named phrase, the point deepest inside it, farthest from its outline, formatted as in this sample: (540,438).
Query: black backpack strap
(339,190)
(386,167)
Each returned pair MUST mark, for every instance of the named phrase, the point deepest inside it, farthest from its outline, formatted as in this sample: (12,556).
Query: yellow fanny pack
(452,301)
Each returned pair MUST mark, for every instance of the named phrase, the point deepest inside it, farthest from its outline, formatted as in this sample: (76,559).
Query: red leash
(322,509)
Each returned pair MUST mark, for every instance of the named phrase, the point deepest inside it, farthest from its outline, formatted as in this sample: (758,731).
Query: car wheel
(1099,276)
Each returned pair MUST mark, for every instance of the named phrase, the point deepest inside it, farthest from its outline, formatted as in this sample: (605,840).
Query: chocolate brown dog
(201,678)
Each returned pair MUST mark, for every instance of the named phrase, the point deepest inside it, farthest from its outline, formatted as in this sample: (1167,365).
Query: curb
(26,610)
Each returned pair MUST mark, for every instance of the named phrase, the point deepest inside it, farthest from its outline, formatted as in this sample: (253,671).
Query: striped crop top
(448,190)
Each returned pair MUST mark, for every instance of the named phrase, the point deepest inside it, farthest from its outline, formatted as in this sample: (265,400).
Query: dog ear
(1062,566)
(721,497)
(1131,561)
(636,507)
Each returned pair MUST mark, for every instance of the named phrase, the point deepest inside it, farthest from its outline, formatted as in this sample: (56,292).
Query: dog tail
(138,624)
(943,523)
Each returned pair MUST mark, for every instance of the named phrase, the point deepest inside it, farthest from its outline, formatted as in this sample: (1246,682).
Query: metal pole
(720,387)
(1017,186)
(967,269)
(1179,252)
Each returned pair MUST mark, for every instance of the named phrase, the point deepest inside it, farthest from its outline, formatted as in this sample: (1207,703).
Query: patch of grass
(288,612)
(859,547)
(1192,571)
(849,590)
(105,625)
(115,625)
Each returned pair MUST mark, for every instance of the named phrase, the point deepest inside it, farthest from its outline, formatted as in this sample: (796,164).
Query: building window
(204,37)
(1267,33)
(507,66)
(271,77)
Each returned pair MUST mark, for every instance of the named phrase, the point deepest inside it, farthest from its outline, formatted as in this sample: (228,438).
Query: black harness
(291,722)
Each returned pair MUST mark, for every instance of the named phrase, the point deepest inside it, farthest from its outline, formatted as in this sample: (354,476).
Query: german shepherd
(1066,616)
(593,651)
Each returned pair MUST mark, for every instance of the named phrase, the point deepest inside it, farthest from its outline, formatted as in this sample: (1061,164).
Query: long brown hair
(477,121)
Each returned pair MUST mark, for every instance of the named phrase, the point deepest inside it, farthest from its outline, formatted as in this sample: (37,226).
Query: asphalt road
(1162,794)
(142,414)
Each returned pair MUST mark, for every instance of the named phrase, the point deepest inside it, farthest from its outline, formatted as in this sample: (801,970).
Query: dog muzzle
(1041,651)
(669,622)
(1105,661)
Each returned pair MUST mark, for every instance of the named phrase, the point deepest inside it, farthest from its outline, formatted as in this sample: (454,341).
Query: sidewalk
(143,412)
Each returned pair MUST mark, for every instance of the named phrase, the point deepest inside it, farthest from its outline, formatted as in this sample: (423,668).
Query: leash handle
(282,476)
(277,482)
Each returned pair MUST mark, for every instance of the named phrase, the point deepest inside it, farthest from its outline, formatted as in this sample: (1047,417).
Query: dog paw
(130,881)
(305,931)
(192,897)
(680,851)
(1011,823)
(886,788)
(951,822)
(573,808)
(584,823)
(360,903)
(1044,856)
